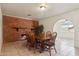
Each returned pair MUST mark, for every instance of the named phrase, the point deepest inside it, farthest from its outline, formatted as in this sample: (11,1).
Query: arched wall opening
(65,28)
(65,35)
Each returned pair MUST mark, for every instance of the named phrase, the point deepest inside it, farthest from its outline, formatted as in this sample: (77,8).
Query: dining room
(28,29)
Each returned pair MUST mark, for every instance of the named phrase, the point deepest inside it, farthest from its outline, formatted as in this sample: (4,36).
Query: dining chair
(33,42)
(50,42)
(38,42)
(31,39)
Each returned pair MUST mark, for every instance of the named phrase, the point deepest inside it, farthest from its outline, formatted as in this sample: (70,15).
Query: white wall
(66,34)
(0,29)
(72,16)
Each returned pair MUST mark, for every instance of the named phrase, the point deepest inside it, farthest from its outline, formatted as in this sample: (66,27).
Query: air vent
(29,15)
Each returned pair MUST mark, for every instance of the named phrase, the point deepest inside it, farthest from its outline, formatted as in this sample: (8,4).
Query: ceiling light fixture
(43,7)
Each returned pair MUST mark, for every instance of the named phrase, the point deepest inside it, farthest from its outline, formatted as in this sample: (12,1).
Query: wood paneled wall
(10,24)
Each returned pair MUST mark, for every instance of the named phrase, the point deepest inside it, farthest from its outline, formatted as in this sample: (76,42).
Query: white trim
(19,17)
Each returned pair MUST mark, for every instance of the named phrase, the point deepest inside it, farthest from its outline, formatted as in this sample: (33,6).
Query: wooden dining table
(38,40)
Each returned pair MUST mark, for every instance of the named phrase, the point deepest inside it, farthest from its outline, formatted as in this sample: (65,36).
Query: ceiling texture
(33,11)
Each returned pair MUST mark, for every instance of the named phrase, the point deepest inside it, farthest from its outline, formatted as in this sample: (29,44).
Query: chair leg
(55,49)
(41,50)
(34,50)
(50,51)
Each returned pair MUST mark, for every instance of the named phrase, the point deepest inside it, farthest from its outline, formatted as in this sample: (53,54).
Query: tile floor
(18,48)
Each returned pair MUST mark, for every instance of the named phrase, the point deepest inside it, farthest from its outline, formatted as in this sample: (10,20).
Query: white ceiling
(23,9)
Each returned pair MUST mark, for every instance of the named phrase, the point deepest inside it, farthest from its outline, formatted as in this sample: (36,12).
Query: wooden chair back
(54,35)
(31,37)
(48,34)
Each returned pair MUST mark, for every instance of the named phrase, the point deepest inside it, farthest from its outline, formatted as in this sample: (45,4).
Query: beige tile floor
(18,48)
